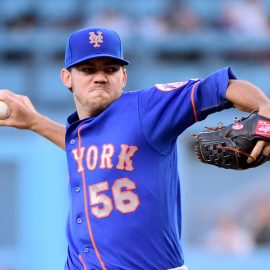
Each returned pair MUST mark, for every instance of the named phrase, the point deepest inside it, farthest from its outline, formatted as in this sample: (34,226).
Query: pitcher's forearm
(245,96)
(50,130)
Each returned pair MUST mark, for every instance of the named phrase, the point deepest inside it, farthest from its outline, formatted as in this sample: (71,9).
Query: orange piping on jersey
(193,102)
(86,208)
(82,262)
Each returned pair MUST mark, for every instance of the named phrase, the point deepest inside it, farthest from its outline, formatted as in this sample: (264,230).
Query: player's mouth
(99,89)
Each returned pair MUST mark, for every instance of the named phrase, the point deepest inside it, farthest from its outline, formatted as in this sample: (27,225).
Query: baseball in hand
(4,111)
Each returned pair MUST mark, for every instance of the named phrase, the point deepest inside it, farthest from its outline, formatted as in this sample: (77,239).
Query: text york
(103,158)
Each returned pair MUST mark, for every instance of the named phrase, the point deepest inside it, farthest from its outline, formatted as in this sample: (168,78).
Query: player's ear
(66,78)
(124,81)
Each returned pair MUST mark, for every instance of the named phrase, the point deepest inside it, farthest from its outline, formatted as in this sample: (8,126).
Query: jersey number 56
(124,199)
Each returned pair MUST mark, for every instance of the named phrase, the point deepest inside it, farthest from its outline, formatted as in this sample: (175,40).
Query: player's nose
(100,77)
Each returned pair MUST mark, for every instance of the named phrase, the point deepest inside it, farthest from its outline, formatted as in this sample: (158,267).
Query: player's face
(95,84)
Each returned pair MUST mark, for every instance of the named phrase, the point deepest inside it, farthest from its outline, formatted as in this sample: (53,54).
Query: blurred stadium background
(226,213)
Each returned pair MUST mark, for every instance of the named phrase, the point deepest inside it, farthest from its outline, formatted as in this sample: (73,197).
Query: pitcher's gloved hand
(230,146)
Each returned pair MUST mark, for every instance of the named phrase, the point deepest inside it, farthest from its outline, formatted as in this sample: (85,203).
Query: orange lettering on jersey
(92,157)
(124,158)
(106,156)
(78,155)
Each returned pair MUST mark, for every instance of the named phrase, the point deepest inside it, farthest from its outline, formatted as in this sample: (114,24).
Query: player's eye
(88,70)
(112,69)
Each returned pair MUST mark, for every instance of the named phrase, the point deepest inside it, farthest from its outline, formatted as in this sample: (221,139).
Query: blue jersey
(124,186)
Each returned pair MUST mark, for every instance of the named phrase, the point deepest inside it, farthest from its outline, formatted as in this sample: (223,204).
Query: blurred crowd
(241,232)
(239,17)
(242,17)
(202,28)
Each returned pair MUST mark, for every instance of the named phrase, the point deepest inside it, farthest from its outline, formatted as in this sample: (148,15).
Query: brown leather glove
(230,146)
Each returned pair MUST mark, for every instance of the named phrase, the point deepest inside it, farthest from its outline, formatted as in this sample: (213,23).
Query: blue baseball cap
(93,42)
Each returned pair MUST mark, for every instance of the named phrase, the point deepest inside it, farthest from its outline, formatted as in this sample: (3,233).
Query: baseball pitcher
(125,193)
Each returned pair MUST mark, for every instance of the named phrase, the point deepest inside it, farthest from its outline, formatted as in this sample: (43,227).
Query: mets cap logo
(96,38)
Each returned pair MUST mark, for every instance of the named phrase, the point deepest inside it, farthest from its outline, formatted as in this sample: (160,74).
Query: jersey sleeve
(166,110)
